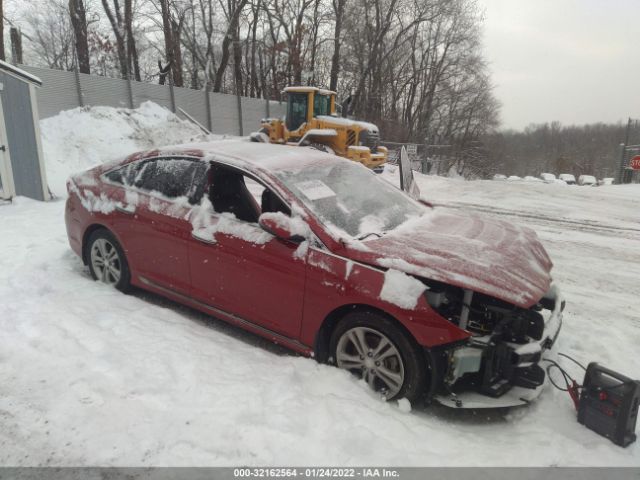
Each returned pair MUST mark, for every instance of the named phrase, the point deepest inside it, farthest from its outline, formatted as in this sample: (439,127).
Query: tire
(402,357)
(261,136)
(103,244)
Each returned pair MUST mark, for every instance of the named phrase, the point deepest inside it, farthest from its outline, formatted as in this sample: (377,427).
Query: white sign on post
(407,182)
(412,149)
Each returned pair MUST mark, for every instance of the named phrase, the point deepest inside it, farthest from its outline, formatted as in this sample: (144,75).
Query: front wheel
(107,261)
(261,136)
(375,349)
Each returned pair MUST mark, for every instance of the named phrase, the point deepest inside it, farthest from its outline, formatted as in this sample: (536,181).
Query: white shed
(22,170)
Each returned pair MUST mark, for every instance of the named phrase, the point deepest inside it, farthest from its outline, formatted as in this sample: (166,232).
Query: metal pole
(172,93)
(78,86)
(207,103)
(268,107)
(130,91)
(626,138)
(620,170)
(624,176)
(239,98)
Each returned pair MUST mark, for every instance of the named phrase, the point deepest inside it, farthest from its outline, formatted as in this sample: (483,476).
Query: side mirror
(283,227)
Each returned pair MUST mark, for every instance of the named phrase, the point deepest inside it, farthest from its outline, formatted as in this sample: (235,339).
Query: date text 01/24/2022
(315,472)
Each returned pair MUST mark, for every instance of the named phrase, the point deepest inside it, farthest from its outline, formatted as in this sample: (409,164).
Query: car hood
(485,255)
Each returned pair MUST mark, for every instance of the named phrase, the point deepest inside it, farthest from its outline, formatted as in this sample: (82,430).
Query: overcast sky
(576,61)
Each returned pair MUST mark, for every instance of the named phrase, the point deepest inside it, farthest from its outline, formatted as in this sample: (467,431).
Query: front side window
(297,110)
(233,192)
(228,193)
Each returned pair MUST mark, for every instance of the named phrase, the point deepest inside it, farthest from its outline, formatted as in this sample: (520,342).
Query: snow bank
(78,139)
(90,376)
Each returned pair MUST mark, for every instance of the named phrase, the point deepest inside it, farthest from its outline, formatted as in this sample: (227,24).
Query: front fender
(334,282)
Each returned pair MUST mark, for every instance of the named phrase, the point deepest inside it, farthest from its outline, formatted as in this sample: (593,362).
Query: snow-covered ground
(89,376)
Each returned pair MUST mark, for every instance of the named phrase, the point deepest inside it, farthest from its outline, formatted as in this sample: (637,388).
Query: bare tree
(51,35)
(171,29)
(78,16)
(414,67)
(2,57)
(122,27)
(233,11)
(132,51)
(338,10)
(16,45)
(115,19)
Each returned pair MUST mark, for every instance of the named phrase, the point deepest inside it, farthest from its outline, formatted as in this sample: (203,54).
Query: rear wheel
(375,349)
(107,261)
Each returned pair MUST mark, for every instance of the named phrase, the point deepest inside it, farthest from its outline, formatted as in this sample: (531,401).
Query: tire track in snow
(580,225)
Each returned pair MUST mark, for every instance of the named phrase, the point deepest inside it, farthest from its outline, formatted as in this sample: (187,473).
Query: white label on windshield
(315,190)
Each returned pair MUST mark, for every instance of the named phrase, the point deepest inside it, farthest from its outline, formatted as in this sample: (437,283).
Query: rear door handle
(3,148)
(128,210)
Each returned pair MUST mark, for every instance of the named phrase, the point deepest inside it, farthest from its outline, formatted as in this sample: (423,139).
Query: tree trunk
(338,8)
(132,51)
(1,32)
(254,90)
(234,18)
(177,54)
(116,21)
(16,46)
(79,23)
(168,34)
(237,62)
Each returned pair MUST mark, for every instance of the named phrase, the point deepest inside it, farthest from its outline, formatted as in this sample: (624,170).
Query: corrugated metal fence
(219,112)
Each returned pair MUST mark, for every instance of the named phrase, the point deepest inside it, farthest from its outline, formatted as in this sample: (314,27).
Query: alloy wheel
(106,261)
(372,355)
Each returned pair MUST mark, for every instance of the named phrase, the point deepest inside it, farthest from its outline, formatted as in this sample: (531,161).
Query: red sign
(635,163)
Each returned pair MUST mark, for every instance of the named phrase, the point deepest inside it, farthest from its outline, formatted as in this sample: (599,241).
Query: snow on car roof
(266,156)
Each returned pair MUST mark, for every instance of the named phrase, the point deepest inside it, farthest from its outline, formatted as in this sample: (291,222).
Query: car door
(240,269)
(153,219)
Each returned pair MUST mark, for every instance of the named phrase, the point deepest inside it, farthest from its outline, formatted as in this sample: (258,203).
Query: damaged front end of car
(499,364)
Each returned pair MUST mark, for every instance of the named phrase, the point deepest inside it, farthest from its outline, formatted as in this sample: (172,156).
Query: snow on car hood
(485,255)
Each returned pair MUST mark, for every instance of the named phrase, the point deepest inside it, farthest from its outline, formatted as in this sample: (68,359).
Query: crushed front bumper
(526,356)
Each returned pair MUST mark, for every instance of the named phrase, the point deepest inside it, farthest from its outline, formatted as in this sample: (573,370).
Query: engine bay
(506,345)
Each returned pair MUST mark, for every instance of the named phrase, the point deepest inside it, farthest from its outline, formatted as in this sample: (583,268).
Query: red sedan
(321,255)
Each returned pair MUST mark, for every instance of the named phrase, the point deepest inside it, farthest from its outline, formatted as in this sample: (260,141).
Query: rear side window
(121,175)
(171,177)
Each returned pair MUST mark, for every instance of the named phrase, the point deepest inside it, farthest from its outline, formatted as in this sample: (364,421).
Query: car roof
(256,155)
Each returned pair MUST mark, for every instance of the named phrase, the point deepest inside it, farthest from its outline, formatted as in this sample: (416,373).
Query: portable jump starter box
(609,404)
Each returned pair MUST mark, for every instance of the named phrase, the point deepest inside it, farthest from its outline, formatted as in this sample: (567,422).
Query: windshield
(349,198)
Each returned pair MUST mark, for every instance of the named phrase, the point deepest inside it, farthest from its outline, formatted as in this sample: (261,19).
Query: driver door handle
(126,210)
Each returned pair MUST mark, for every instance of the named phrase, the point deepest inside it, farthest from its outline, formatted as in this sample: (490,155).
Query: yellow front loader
(311,120)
